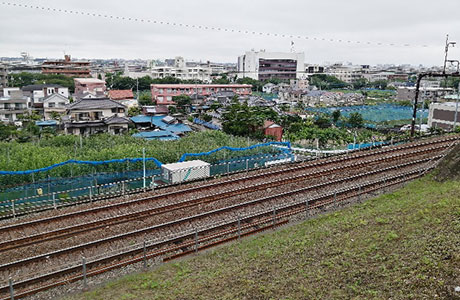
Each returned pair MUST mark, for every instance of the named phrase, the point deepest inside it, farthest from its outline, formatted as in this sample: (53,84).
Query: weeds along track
(44,246)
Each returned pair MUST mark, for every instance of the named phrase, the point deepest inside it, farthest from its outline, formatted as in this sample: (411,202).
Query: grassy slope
(404,245)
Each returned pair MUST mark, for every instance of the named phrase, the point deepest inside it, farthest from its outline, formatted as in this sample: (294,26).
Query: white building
(54,104)
(39,91)
(263,65)
(348,74)
(181,71)
(442,115)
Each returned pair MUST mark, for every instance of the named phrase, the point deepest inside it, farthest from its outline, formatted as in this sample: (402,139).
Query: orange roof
(121,94)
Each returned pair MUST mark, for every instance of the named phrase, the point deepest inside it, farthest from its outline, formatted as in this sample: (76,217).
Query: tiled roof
(55,95)
(157,122)
(36,87)
(116,120)
(95,103)
(121,94)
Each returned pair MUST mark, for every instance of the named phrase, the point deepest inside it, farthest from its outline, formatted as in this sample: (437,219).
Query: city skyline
(95,37)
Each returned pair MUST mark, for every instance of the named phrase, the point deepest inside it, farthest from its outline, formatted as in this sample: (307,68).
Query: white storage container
(185,171)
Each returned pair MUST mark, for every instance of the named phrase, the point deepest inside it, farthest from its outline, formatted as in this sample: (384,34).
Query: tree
(7,131)
(336,115)
(145,98)
(55,115)
(356,120)
(322,122)
(183,102)
(206,117)
(222,80)
(256,84)
(134,111)
(327,82)
(359,83)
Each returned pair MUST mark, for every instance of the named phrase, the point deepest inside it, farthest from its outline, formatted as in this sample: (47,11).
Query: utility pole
(456,107)
(446,50)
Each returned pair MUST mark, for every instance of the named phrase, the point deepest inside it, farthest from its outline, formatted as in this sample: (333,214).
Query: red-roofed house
(121,94)
(275,130)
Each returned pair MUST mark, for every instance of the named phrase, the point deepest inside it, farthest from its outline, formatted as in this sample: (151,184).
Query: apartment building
(262,65)
(163,93)
(67,67)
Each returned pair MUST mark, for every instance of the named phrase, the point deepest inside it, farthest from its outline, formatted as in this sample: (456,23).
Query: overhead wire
(206,27)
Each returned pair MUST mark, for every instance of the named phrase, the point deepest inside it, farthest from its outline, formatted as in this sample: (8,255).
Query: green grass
(403,245)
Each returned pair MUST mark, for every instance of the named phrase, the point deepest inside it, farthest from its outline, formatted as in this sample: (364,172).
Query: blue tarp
(46,123)
(157,135)
(206,124)
(366,145)
(157,122)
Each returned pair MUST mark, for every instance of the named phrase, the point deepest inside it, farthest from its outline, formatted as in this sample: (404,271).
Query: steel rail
(415,173)
(119,219)
(231,181)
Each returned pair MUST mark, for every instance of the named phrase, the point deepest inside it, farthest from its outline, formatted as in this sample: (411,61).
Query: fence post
(14,208)
(83,262)
(307,212)
(123,188)
(54,200)
(228,167)
(145,255)
(239,227)
(10,283)
(247,165)
(143,165)
(196,240)
(90,193)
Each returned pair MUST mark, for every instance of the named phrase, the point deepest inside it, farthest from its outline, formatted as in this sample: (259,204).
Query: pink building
(91,85)
(163,93)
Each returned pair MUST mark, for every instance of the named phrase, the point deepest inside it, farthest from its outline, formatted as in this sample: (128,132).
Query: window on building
(51,104)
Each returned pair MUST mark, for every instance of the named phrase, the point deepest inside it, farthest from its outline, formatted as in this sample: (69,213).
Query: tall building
(263,65)
(3,76)
(67,67)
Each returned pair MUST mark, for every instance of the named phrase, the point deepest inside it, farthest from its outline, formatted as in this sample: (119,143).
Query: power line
(208,28)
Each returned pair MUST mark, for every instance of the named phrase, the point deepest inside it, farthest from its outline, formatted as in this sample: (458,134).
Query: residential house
(13,106)
(89,116)
(38,92)
(272,129)
(54,105)
(159,110)
(125,97)
(92,85)
(160,122)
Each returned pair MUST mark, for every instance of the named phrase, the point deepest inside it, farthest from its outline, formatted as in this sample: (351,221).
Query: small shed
(185,171)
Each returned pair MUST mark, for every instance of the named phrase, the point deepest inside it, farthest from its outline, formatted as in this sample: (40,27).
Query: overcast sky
(49,34)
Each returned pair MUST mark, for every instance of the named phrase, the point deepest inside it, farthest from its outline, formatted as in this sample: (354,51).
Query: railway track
(221,185)
(419,154)
(123,218)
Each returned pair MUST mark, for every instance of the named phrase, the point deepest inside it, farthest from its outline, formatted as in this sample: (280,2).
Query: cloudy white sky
(45,33)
